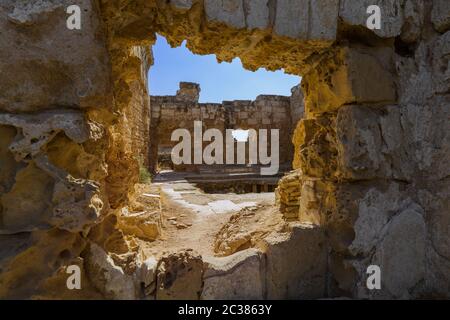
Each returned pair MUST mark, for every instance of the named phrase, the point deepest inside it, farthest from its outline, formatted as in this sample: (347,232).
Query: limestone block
(252,122)
(316,146)
(67,67)
(359,144)
(8,166)
(291,19)
(107,277)
(61,201)
(398,143)
(28,259)
(354,12)
(279,116)
(441,65)
(238,276)
(167,113)
(401,253)
(327,93)
(438,280)
(288,194)
(414,16)
(349,81)
(149,270)
(296,263)
(305,19)
(257,13)
(415,83)
(267,108)
(310,203)
(76,204)
(375,210)
(38,129)
(25,209)
(323,19)
(230,12)
(188,91)
(145,225)
(179,276)
(437,201)
(440,15)
(370,80)
(146,274)
(243,115)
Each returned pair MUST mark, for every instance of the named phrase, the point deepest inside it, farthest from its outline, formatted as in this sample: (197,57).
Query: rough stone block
(306,19)
(230,12)
(74,72)
(25,209)
(179,276)
(292,18)
(400,253)
(369,79)
(257,13)
(182,4)
(145,275)
(354,13)
(441,65)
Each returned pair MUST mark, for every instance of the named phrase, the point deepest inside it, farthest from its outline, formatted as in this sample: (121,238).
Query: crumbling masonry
(372,152)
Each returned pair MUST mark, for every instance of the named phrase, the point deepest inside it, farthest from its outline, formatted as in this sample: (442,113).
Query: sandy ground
(192,219)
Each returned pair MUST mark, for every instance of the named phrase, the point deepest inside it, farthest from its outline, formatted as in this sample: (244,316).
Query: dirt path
(192,219)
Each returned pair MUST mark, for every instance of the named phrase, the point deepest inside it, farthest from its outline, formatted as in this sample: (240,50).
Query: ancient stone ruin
(370,183)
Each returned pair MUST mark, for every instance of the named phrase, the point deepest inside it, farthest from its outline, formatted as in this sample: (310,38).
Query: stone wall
(180,111)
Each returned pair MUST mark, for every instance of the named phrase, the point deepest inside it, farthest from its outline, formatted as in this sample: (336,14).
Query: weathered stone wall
(373,150)
(180,111)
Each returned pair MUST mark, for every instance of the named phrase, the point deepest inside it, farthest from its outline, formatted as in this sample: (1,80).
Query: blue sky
(218,81)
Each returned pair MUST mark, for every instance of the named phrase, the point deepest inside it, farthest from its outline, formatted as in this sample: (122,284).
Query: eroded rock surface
(179,276)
